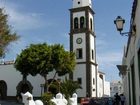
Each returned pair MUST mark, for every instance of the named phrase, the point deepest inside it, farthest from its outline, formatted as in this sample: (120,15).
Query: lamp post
(122,69)
(119,22)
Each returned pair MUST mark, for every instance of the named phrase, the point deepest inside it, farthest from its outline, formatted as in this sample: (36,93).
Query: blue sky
(38,21)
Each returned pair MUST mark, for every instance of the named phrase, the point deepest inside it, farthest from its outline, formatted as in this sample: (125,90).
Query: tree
(42,59)
(63,61)
(34,60)
(6,33)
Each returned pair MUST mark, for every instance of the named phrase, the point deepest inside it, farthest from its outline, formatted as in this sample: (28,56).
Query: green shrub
(46,98)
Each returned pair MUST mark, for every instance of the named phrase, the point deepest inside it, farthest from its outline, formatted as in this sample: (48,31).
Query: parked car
(89,101)
(84,101)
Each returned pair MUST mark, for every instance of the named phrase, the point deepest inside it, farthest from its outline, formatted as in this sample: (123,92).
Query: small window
(82,21)
(76,23)
(93,81)
(92,54)
(79,80)
(78,2)
(91,24)
(79,53)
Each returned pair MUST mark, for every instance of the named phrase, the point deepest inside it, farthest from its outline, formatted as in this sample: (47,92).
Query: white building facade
(10,78)
(116,87)
(103,86)
(130,68)
(12,84)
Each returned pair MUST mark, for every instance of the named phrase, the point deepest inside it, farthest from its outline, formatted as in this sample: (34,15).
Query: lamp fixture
(122,69)
(119,22)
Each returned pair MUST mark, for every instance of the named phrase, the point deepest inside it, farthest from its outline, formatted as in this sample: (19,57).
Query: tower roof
(81,3)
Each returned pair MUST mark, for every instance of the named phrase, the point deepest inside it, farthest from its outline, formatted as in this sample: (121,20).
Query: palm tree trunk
(46,84)
(24,77)
(52,80)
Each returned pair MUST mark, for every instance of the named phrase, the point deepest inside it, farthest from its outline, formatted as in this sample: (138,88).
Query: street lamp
(119,22)
(122,69)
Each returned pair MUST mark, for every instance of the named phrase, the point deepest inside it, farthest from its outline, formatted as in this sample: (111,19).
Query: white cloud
(110,56)
(21,20)
(107,54)
(100,43)
(100,40)
(107,62)
(108,59)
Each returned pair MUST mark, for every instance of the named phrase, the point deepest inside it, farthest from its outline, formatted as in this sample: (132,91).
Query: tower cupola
(81,3)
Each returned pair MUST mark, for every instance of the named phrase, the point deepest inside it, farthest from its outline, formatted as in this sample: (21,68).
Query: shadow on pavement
(9,102)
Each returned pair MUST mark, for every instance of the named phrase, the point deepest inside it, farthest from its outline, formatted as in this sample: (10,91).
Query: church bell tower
(82,42)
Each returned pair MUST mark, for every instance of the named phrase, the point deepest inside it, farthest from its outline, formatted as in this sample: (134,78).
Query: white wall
(92,47)
(82,3)
(80,72)
(82,45)
(91,17)
(93,76)
(116,87)
(36,81)
(106,88)
(100,87)
(137,47)
(132,58)
(12,77)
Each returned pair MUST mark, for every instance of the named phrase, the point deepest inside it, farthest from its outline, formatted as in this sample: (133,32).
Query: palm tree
(68,87)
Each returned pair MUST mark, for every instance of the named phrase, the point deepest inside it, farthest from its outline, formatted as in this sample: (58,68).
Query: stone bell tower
(82,42)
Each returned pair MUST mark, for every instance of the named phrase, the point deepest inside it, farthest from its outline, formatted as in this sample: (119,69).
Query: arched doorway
(3,90)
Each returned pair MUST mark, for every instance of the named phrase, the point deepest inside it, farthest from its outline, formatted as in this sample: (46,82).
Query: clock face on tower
(79,40)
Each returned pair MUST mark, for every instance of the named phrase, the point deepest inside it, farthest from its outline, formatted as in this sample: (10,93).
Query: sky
(39,21)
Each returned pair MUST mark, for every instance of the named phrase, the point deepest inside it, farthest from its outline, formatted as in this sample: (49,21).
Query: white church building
(11,83)
(83,43)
